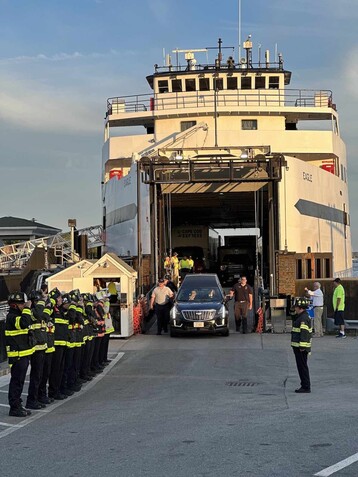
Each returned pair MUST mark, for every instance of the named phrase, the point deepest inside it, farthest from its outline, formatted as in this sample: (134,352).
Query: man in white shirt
(317,298)
(160,302)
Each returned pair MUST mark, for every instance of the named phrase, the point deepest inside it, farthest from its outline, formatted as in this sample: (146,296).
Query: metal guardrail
(244,98)
(18,254)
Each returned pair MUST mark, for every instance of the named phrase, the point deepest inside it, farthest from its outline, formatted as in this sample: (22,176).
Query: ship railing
(252,67)
(208,99)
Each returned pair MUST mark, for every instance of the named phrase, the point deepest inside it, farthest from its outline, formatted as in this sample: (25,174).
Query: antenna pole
(239,37)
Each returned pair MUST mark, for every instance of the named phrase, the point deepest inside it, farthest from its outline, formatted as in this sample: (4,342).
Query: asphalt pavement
(196,406)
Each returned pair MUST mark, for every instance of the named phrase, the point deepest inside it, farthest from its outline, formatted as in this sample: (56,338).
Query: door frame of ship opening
(214,175)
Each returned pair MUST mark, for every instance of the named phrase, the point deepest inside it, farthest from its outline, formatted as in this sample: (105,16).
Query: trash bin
(278,314)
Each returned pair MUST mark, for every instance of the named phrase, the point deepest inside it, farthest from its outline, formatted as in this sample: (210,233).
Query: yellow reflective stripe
(26,311)
(110,330)
(297,330)
(295,345)
(47,311)
(41,302)
(60,343)
(305,327)
(26,352)
(86,322)
(53,301)
(16,332)
(17,322)
(61,321)
(36,326)
(70,345)
(50,350)
(40,347)
(12,354)
(72,307)
(304,344)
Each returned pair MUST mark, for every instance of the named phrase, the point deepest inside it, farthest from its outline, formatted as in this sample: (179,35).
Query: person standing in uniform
(317,303)
(167,265)
(191,264)
(338,306)
(160,298)
(19,348)
(175,268)
(301,342)
(37,359)
(242,292)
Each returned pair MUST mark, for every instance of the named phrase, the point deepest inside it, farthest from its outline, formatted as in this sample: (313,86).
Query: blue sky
(60,60)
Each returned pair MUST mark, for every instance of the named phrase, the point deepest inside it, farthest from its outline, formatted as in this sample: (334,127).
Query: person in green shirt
(338,307)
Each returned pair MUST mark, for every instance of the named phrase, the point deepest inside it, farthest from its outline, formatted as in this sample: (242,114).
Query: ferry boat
(227,144)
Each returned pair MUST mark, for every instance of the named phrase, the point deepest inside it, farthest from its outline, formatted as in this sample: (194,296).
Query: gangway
(17,255)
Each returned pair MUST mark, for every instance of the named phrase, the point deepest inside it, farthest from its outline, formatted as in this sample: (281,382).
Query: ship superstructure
(228,144)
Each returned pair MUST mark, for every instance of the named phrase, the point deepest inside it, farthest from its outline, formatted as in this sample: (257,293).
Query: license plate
(198,324)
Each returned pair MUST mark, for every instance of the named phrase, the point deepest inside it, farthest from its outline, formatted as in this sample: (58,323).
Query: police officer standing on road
(243,302)
(19,348)
(160,298)
(301,342)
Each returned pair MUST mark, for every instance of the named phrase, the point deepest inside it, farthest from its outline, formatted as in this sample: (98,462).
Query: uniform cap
(302,302)
(17,297)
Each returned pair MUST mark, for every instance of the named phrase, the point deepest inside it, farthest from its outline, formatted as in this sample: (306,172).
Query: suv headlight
(223,267)
(174,312)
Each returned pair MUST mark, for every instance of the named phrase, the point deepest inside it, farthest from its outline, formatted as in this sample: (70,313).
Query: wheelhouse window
(177,86)
(260,82)
(184,125)
(249,124)
(218,83)
(246,82)
(190,84)
(163,86)
(274,82)
(204,84)
(232,82)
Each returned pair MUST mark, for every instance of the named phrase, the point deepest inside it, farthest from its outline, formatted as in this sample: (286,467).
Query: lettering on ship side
(127,180)
(307,177)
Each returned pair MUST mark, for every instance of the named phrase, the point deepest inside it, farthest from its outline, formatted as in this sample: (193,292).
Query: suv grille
(199,315)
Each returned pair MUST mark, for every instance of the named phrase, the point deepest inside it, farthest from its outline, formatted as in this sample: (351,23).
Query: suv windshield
(206,295)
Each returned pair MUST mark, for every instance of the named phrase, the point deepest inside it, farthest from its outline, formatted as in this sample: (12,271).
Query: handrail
(223,98)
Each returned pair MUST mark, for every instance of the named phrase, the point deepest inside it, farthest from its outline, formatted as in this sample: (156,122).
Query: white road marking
(337,467)
(38,414)
(5,424)
(5,392)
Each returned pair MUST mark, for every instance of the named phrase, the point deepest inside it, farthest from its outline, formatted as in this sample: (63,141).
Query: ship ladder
(260,323)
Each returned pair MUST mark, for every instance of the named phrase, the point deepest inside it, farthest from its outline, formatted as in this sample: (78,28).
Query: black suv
(200,306)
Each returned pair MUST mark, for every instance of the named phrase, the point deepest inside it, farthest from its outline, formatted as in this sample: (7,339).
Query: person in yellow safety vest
(19,347)
(167,266)
(175,268)
(191,262)
(184,266)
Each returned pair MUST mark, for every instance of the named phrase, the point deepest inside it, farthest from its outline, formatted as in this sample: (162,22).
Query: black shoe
(81,381)
(19,412)
(45,400)
(67,392)
(35,405)
(108,361)
(75,388)
(60,397)
(302,390)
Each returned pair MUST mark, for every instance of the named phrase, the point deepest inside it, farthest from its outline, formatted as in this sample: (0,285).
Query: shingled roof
(8,222)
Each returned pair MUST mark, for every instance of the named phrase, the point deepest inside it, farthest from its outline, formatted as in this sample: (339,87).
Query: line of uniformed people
(64,337)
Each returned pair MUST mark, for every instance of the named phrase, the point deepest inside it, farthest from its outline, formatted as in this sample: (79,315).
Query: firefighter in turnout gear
(108,326)
(49,352)
(301,337)
(90,332)
(37,359)
(19,347)
(69,311)
(61,338)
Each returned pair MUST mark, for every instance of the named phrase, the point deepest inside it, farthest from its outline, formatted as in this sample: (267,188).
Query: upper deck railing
(211,99)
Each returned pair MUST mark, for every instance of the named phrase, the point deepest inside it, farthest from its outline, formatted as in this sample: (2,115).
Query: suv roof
(202,279)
